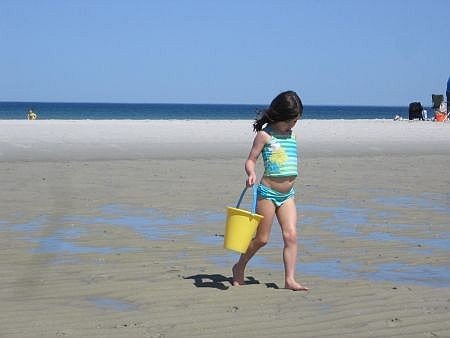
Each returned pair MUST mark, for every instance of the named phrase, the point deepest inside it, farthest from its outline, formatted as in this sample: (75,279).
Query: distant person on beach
(278,146)
(448,94)
(424,115)
(31,115)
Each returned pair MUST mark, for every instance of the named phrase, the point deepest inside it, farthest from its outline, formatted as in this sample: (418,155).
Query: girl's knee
(261,241)
(290,237)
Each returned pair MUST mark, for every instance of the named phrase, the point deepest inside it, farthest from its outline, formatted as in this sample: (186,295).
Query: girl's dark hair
(286,106)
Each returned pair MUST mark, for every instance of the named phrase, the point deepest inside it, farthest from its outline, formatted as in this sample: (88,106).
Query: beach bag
(415,111)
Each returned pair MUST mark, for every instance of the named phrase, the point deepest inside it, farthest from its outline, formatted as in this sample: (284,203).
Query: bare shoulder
(262,137)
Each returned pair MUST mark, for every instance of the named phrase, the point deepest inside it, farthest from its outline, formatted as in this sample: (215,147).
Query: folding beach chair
(437,100)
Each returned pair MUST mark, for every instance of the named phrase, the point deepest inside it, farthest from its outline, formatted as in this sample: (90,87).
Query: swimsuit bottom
(278,198)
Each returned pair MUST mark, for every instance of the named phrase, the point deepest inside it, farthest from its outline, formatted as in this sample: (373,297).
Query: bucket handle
(253,199)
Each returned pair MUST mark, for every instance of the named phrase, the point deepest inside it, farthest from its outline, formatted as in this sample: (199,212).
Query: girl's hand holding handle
(251,179)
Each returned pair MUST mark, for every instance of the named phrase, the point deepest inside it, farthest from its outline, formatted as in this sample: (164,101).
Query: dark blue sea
(162,111)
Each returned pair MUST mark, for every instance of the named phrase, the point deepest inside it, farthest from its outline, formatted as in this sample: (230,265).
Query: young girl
(276,142)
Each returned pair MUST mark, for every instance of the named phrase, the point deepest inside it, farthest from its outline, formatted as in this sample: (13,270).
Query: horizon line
(201,103)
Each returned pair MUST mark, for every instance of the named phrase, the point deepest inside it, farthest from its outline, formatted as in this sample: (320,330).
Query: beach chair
(440,108)
(437,99)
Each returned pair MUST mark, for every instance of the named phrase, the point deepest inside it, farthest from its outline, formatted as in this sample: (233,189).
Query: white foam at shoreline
(139,139)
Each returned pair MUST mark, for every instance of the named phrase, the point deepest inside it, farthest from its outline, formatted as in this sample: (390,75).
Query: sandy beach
(115,229)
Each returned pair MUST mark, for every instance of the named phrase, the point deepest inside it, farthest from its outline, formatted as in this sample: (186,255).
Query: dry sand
(113,229)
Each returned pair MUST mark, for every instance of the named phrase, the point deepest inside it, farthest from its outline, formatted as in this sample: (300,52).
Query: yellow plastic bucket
(241,226)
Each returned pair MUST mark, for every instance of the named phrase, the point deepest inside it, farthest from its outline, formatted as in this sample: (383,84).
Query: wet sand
(118,232)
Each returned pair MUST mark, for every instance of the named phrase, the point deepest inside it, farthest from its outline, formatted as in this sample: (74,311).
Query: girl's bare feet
(294,286)
(238,276)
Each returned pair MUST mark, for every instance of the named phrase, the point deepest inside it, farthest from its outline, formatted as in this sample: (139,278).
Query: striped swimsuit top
(280,155)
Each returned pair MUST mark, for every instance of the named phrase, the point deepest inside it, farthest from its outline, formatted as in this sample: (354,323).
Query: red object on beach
(440,117)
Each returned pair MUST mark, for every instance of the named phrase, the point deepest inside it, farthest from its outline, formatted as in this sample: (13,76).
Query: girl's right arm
(260,140)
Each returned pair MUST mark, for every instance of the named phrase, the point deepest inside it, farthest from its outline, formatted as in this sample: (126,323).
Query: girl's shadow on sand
(217,281)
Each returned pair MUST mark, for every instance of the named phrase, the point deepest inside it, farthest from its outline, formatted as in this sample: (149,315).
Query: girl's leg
(267,209)
(287,217)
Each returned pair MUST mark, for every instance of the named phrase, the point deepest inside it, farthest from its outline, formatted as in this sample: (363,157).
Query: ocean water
(162,111)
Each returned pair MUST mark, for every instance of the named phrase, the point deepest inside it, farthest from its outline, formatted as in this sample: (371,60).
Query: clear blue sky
(358,52)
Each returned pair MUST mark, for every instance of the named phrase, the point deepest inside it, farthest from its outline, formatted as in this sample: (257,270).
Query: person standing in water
(31,115)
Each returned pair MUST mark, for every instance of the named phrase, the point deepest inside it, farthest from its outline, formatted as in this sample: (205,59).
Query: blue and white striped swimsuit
(280,155)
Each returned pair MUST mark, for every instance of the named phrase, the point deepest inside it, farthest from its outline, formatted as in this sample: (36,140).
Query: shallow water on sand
(343,221)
